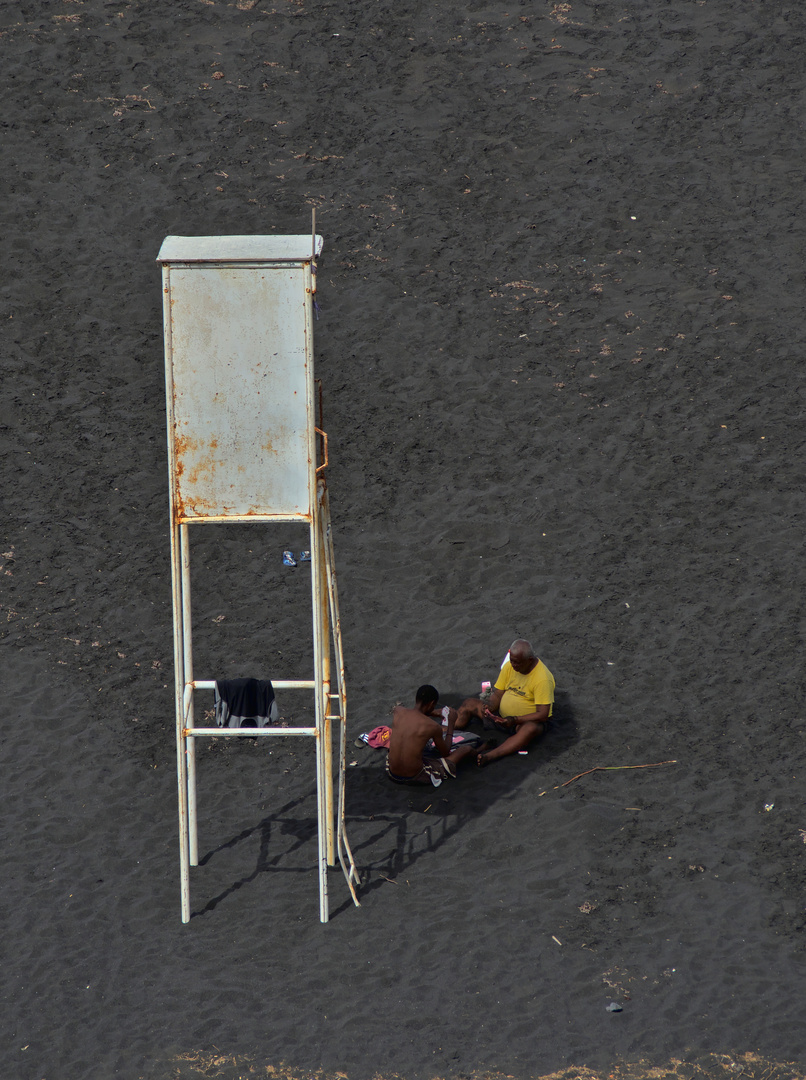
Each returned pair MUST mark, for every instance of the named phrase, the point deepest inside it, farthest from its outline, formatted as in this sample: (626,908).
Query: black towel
(245,703)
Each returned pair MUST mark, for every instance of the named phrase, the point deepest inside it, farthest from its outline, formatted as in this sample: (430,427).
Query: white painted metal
(242,441)
(252,733)
(343,844)
(242,447)
(323,811)
(181,744)
(327,741)
(278,684)
(187,645)
(239,249)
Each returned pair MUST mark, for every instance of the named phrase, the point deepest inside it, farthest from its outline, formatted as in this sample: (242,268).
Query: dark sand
(561,343)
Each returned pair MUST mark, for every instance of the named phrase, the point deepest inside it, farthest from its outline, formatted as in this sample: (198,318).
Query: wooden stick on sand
(609,768)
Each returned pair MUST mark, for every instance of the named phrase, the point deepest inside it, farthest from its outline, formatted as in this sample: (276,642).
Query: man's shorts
(434,771)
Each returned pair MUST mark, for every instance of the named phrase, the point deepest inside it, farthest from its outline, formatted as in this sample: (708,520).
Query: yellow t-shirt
(522,693)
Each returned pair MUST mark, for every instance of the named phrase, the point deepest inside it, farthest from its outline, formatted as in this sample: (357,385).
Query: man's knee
(471,707)
(531,730)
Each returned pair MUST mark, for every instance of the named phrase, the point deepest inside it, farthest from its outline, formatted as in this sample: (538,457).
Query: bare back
(411,730)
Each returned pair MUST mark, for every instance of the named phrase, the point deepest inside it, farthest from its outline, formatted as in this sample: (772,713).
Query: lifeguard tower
(246,444)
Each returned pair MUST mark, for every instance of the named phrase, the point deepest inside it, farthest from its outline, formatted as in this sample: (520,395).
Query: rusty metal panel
(239,370)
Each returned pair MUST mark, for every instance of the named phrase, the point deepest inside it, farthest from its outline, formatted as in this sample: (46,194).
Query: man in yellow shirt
(520,704)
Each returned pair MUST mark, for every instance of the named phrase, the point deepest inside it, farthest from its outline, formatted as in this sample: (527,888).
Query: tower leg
(181,741)
(343,844)
(327,730)
(321,711)
(187,660)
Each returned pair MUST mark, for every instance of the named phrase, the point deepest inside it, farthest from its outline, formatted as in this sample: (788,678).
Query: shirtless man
(407,762)
(520,704)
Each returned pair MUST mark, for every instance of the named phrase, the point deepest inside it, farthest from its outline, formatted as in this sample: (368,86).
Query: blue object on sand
(288,558)
(305,556)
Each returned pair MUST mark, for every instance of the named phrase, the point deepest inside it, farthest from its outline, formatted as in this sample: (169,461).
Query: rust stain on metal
(189,509)
(204,469)
(186,449)
(181,513)
(243,452)
(183,445)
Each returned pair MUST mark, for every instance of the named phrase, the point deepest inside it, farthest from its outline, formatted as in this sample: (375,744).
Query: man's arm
(495,700)
(539,716)
(451,715)
(446,717)
(443,741)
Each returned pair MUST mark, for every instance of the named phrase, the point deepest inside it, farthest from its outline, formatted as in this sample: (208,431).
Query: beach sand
(560,340)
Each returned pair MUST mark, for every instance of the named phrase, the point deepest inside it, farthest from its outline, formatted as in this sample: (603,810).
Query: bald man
(520,704)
